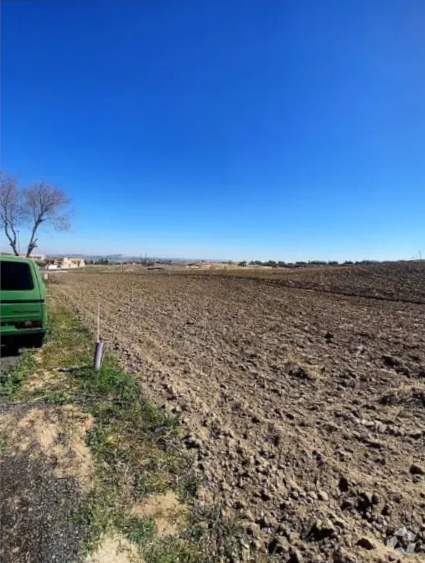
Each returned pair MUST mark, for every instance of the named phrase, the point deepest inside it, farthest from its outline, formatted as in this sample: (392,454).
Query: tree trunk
(33,241)
(12,240)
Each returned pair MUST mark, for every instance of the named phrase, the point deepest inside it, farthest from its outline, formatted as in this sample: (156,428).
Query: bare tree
(40,204)
(44,204)
(11,212)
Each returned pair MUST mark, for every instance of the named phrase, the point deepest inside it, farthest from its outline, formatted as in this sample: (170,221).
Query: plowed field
(302,395)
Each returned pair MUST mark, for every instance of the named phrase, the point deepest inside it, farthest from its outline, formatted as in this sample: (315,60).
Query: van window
(15,276)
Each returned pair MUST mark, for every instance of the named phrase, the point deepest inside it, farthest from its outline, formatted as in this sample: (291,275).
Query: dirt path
(305,411)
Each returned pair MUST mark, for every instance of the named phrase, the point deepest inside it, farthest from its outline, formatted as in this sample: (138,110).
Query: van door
(21,299)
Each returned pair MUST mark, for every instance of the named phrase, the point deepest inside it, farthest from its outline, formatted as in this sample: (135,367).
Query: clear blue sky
(234,129)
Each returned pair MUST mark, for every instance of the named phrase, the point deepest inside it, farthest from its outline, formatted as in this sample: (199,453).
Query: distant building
(64,263)
(68,263)
(36,257)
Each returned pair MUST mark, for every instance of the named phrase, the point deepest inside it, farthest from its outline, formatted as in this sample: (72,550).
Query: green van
(23,303)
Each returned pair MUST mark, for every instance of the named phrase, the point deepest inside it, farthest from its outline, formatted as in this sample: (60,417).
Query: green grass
(110,381)
(95,514)
(188,487)
(3,445)
(137,530)
(12,380)
(174,550)
(150,483)
(57,397)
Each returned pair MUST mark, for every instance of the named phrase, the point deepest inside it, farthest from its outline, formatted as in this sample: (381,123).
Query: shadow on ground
(9,356)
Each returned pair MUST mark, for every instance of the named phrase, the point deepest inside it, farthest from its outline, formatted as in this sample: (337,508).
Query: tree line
(38,205)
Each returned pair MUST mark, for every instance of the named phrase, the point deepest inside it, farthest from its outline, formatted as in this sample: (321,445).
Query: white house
(68,263)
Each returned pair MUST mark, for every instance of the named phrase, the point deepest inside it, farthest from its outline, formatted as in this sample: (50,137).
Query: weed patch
(12,380)
(188,487)
(137,530)
(174,550)
(95,514)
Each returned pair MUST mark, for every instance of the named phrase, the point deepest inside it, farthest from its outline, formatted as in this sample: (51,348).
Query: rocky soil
(303,403)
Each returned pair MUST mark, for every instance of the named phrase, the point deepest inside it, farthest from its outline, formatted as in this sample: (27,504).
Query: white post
(98,323)
(98,351)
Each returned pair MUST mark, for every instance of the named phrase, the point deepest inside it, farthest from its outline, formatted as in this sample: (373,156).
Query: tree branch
(44,203)
(12,240)
(10,208)
(41,203)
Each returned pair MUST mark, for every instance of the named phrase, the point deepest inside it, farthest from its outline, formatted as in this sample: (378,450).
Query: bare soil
(115,549)
(41,483)
(302,395)
(59,433)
